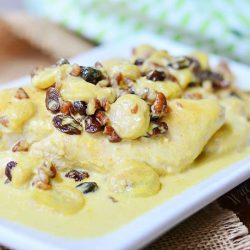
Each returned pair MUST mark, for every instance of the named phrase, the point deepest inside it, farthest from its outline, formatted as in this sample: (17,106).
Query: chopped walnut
(194,96)
(76,70)
(41,180)
(21,94)
(101,117)
(112,135)
(66,108)
(159,106)
(4,121)
(20,146)
(92,106)
(105,104)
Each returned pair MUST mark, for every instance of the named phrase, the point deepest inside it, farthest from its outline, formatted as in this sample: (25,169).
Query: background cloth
(216,26)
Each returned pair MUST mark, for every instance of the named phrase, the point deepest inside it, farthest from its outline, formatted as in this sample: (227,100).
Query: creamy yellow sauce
(101,215)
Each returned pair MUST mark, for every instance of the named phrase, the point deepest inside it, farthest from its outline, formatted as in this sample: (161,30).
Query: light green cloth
(220,26)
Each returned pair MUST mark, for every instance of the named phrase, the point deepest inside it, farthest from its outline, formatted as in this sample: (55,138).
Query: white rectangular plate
(155,222)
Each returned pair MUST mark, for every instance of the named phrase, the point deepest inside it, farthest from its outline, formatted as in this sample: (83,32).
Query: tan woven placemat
(212,227)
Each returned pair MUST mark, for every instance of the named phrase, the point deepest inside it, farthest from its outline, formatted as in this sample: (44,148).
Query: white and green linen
(220,26)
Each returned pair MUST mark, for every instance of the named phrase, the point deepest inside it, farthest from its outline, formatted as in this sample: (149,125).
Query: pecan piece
(67,108)
(4,121)
(156,75)
(8,169)
(92,125)
(41,180)
(77,175)
(20,146)
(112,135)
(52,100)
(21,94)
(159,106)
(67,124)
(76,70)
(101,117)
(104,103)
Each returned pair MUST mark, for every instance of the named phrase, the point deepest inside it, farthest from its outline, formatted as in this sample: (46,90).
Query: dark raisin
(91,75)
(62,61)
(112,135)
(80,107)
(156,75)
(139,61)
(181,62)
(67,124)
(235,94)
(158,128)
(8,169)
(77,175)
(92,125)
(87,187)
(217,79)
(52,100)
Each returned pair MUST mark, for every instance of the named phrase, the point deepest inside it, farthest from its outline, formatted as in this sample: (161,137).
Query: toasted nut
(41,180)
(105,104)
(194,96)
(159,106)
(92,106)
(101,117)
(21,145)
(21,94)
(76,70)
(4,121)
(53,171)
(112,135)
(67,108)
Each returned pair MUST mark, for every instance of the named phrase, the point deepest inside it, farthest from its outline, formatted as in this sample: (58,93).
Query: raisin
(52,100)
(62,61)
(87,187)
(101,117)
(77,175)
(156,75)
(112,135)
(218,81)
(91,75)
(8,169)
(158,128)
(92,125)
(139,61)
(80,107)
(181,62)
(67,124)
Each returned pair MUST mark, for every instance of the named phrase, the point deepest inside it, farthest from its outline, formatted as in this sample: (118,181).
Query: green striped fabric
(216,26)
